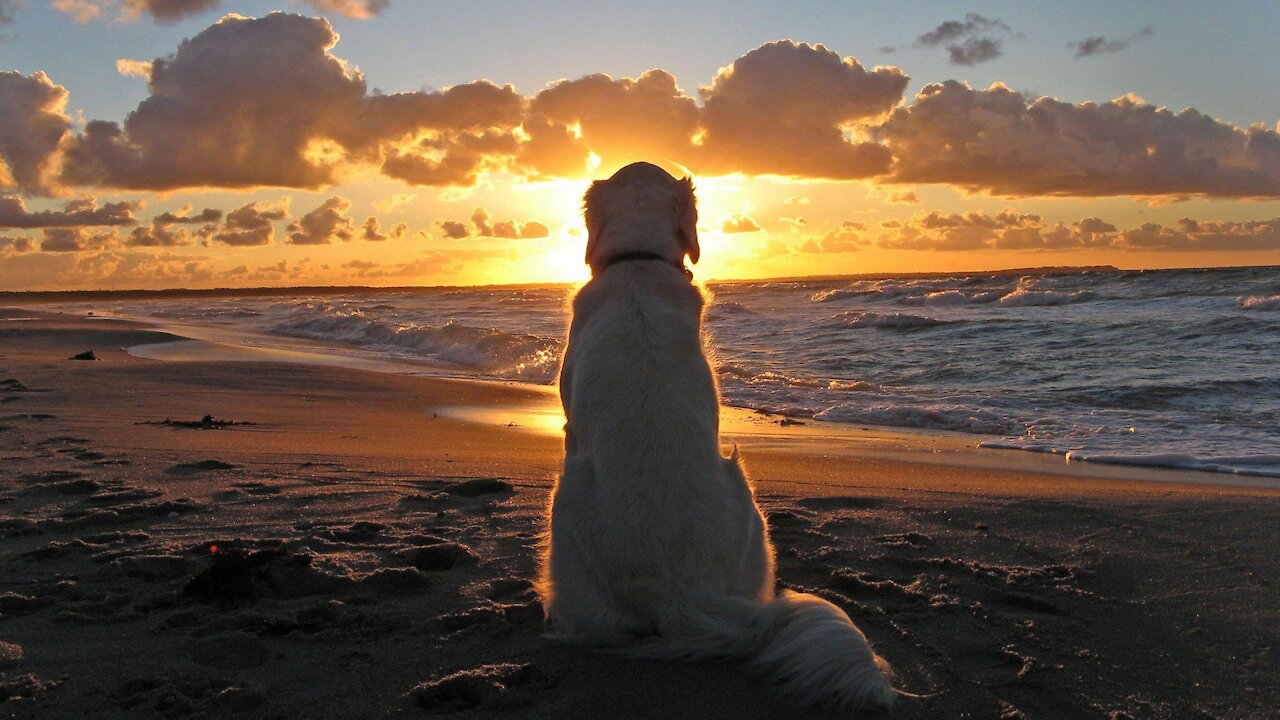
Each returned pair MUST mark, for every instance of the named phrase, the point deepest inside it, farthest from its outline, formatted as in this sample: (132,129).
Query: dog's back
(653,512)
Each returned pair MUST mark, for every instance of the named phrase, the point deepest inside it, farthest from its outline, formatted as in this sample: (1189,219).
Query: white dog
(656,541)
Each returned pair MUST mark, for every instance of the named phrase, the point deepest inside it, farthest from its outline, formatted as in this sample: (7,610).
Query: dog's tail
(804,642)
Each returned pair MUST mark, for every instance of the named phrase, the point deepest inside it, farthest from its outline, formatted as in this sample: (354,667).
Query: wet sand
(351,543)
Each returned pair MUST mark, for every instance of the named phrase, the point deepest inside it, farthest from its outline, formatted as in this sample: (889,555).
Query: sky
(213,143)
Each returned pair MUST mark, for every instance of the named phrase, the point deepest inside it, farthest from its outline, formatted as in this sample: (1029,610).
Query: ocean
(1176,368)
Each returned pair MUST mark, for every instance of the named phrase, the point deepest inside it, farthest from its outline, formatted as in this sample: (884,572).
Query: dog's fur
(656,544)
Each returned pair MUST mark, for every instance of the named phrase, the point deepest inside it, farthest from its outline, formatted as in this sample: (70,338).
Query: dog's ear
(689,220)
(591,214)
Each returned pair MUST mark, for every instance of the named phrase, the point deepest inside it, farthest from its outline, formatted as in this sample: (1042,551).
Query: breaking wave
(893,321)
(1258,302)
(493,352)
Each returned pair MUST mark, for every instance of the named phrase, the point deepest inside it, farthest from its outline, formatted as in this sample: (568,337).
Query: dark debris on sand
(86,355)
(478,487)
(240,574)
(188,468)
(208,422)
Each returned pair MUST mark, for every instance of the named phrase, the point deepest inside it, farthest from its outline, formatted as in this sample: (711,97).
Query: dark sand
(374,555)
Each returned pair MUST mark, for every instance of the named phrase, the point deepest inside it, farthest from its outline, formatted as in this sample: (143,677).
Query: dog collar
(642,255)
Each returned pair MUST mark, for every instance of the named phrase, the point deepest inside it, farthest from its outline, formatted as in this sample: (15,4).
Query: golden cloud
(250,102)
(1002,142)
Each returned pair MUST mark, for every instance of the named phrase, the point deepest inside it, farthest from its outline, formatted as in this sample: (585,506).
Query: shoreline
(396,545)
(922,444)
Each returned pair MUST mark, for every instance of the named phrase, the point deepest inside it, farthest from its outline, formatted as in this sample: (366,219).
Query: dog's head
(641,209)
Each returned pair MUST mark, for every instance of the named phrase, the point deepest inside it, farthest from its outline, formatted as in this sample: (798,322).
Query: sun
(562,257)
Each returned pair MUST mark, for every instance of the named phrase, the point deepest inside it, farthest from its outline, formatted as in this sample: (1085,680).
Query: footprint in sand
(114,497)
(841,503)
(995,667)
(175,696)
(256,488)
(199,466)
(907,539)
(237,651)
(81,486)
(509,588)
(360,532)
(49,477)
(491,615)
(439,556)
(488,687)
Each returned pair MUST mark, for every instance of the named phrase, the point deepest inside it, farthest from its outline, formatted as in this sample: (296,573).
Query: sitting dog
(656,543)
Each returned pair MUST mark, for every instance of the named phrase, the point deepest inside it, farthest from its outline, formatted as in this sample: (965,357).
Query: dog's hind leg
(755,577)
(576,606)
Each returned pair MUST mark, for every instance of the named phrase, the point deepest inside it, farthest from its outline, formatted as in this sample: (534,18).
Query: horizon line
(32,295)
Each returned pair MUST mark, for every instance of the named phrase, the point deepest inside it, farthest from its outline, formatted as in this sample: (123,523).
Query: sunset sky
(212,143)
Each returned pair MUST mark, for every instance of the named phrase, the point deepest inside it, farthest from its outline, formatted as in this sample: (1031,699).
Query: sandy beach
(346,543)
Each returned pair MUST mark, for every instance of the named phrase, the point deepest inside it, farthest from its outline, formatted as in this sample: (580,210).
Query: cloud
(507,229)
(85,211)
(451,159)
(395,201)
(251,224)
(326,223)
(454,230)
(1001,142)
(134,68)
(76,239)
(250,103)
(372,230)
(955,231)
(82,11)
(739,224)
(618,120)
(33,121)
(7,8)
(1201,236)
(171,11)
(11,245)
(351,8)
(261,102)
(238,105)
(783,109)
(183,216)
(119,268)
(845,238)
(162,11)
(168,11)
(532,230)
(1100,44)
(480,226)
(904,198)
(1008,230)
(160,234)
(975,40)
